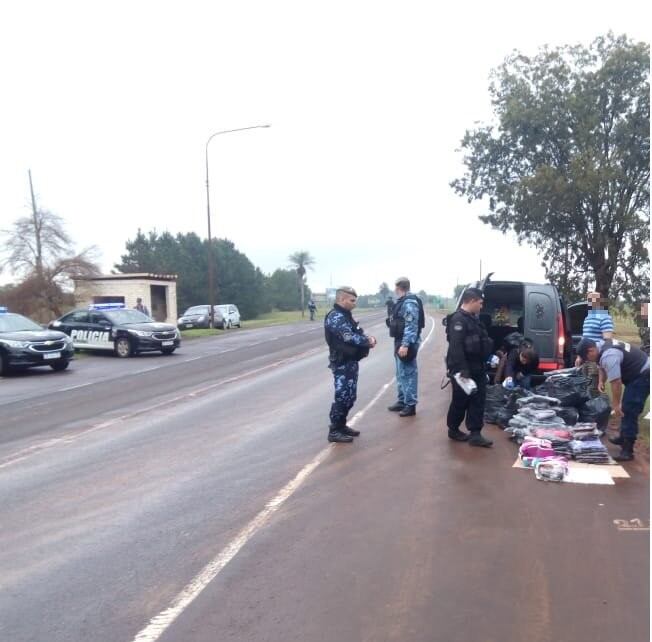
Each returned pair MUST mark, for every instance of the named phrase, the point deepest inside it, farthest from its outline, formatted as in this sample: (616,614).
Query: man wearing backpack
(405,325)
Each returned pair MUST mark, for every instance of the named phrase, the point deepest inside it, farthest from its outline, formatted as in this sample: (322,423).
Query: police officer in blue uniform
(469,346)
(626,367)
(405,324)
(347,344)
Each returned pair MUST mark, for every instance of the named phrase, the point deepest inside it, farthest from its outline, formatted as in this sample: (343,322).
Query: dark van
(536,310)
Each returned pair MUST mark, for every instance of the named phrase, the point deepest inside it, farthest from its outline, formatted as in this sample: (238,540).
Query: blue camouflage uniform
(348,344)
(407,372)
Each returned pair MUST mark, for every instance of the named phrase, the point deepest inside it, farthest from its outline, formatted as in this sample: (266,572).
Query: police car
(111,326)
(25,344)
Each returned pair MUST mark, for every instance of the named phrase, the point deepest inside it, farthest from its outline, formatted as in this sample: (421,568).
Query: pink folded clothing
(536,449)
(553,434)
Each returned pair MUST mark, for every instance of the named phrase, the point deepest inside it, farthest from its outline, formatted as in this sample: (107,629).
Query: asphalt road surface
(194,498)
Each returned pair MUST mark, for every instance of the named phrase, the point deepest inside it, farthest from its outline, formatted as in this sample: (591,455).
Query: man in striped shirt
(598,326)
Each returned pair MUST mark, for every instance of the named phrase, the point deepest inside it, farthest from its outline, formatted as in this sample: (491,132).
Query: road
(193,498)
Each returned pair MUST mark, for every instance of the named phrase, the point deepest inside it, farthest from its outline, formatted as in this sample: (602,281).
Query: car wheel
(167,350)
(4,365)
(59,366)
(122,347)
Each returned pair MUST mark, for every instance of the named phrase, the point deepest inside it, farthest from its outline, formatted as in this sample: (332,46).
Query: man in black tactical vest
(347,346)
(624,365)
(469,346)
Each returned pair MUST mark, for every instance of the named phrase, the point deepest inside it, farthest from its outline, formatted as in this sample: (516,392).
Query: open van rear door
(576,315)
(543,325)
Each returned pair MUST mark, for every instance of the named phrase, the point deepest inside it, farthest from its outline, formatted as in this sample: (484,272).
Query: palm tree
(300,261)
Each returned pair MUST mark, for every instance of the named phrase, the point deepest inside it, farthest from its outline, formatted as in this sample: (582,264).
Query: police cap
(346,289)
(584,346)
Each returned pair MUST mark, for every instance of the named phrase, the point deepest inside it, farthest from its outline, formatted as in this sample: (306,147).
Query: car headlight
(141,333)
(15,344)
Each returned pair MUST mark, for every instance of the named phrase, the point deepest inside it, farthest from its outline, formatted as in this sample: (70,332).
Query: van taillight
(561,339)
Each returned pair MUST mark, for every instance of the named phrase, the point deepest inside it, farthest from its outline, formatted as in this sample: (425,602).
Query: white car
(230,316)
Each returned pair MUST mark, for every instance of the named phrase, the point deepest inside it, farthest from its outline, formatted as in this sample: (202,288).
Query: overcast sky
(110,105)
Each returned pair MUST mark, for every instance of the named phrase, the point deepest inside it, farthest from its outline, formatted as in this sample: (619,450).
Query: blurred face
(644,310)
(523,359)
(596,301)
(347,301)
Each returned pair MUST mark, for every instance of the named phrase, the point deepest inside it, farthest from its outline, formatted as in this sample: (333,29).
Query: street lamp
(211,312)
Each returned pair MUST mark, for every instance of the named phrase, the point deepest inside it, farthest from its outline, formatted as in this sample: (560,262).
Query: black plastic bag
(513,395)
(494,403)
(569,415)
(503,416)
(596,411)
(571,390)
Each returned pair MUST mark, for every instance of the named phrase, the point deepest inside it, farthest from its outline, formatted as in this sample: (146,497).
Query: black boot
(336,435)
(397,407)
(408,411)
(617,440)
(627,450)
(458,435)
(349,431)
(476,439)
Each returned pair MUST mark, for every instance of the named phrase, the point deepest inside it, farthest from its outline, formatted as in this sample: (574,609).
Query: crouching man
(347,344)
(624,365)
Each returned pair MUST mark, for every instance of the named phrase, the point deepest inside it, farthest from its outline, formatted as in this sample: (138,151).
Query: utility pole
(37,231)
(480,269)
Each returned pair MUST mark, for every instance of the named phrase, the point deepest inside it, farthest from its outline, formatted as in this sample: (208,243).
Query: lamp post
(211,312)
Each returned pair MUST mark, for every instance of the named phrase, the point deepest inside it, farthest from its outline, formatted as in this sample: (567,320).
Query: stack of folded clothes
(583,431)
(558,438)
(589,451)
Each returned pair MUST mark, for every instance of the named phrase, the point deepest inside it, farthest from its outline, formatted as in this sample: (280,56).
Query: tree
(185,255)
(40,252)
(300,261)
(281,290)
(565,165)
(384,292)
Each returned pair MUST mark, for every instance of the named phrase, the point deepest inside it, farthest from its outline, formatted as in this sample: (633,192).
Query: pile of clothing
(552,429)
(534,412)
(589,451)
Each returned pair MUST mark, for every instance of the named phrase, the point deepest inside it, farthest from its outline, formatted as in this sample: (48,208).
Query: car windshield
(122,317)
(17,323)
(197,309)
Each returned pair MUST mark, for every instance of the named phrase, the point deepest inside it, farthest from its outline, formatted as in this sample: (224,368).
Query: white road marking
(161,622)
(80,385)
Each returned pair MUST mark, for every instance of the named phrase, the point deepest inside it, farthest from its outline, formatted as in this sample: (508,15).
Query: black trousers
(469,406)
